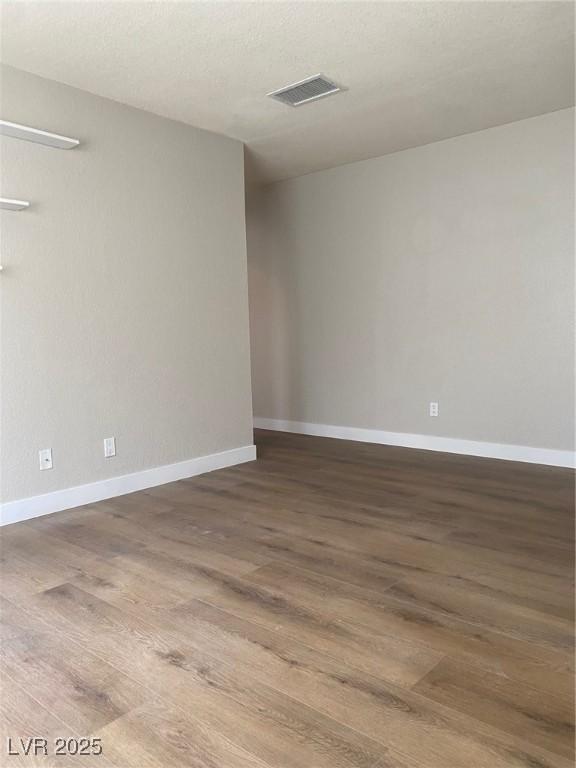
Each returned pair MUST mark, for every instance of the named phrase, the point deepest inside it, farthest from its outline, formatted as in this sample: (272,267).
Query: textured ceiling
(416,72)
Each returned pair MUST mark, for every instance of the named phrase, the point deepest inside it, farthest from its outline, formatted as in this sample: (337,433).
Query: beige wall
(124,302)
(442,273)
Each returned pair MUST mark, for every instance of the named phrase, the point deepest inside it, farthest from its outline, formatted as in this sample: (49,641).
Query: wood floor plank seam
(154,695)
(65,731)
(386,593)
(569,652)
(333,604)
(6,677)
(483,728)
(533,729)
(150,625)
(494,732)
(490,730)
(210,600)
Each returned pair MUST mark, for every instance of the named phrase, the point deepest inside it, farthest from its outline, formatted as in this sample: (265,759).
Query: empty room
(287,347)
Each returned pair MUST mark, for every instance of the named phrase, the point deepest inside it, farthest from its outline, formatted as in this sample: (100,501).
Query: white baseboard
(525,453)
(35,506)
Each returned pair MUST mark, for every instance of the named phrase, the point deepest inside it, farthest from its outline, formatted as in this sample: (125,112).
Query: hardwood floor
(332,605)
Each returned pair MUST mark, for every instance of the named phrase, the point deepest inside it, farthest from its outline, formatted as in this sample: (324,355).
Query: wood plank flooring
(331,605)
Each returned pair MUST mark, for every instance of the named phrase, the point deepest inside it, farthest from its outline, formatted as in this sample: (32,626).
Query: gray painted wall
(124,295)
(442,273)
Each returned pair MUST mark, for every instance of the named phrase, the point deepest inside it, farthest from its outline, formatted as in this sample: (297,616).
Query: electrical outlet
(109,447)
(433,409)
(45,458)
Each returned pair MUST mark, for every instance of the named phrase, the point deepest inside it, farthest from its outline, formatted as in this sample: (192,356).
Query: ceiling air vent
(315,87)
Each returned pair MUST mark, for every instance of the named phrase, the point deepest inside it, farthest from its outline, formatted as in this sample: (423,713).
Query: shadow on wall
(277,385)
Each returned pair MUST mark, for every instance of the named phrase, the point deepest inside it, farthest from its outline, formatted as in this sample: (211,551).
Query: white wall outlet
(433,409)
(109,447)
(45,458)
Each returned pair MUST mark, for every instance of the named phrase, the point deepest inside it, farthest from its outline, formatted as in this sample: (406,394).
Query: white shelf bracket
(7,204)
(17,131)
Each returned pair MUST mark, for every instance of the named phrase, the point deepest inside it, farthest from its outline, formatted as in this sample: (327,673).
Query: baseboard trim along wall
(525,453)
(35,506)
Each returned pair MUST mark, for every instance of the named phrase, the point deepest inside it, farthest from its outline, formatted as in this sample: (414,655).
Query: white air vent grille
(315,87)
